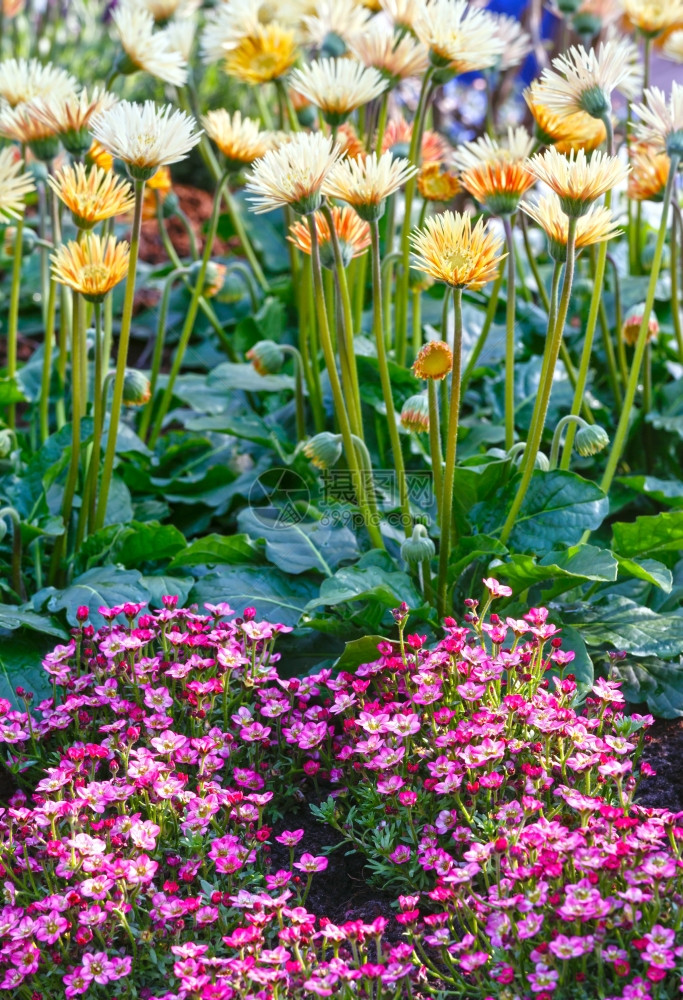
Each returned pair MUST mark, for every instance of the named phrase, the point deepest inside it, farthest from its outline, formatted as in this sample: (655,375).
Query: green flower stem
(190,318)
(510,337)
(451,448)
(619,439)
(298,390)
(17,581)
(676,256)
(555,332)
(308,341)
(385,379)
(43,244)
(647,381)
(402,287)
(346,326)
(74,459)
(417,320)
(48,346)
(13,318)
(435,444)
(570,418)
(358,284)
(86,519)
(287,106)
(608,346)
(486,327)
(381,123)
(337,396)
(158,349)
(365,463)
(388,262)
(618,320)
(187,226)
(122,358)
(532,262)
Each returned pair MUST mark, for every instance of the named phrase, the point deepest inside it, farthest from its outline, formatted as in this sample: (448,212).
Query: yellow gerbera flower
(92,267)
(576,180)
(91,195)
(596,226)
(267,54)
(352,232)
(450,250)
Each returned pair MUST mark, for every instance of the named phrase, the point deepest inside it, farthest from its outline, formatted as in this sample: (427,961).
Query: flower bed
(500,814)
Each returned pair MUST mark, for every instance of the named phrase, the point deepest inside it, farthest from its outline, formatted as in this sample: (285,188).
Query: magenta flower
(311,863)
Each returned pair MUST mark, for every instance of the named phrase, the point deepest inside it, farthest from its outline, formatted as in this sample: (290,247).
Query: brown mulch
(197,205)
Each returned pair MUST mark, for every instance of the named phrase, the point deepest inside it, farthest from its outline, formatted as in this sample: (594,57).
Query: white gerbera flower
(26,79)
(146,49)
(661,120)
(338,86)
(293,174)
(15,184)
(144,136)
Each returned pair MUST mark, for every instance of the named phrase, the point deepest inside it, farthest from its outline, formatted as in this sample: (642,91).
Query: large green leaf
(574,565)
(363,650)
(655,681)
(20,665)
(103,586)
(558,508)
(668,492)
(13,617)
(158,586)
(649,570)
(472,547)
(212,550)
(621,623)
(275,595)
(650,535)
(582,665)
(373,583)
(298,547)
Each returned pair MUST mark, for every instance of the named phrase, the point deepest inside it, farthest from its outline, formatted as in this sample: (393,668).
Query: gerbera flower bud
(435,182)
(366,184)
(595,226)
(661,120)
(144,48)
(136,388)
(632,323)
(324,450)
(352,232)
(450,250)
(459,37)
(415,413)
(144,136)
(214,277)
(92,267)
(433,361)
(649,172)
(591,439)
(9,239)
(576,180)
(15,184)
(239,139)
(91,195)
(418,547)
(294,174)
(267,357)
(267,53)
(338,86)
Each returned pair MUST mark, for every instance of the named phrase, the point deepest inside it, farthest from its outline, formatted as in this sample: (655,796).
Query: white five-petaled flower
(146,48)
(145,136)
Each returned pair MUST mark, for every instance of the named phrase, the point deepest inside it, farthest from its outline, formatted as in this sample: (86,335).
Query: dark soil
(197,206)
(664,751)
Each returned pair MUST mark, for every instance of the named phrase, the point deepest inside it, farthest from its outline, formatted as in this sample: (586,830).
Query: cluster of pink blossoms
(504,818)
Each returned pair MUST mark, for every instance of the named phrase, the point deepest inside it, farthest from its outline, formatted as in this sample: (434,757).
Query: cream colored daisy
(353,235)
(517,146)
(15,184)
(652,17)
(144,136)
(163,10)
(582,80)
(396,59)
(401,12)
(91,195)
(146,48)
(23,124)
(334,19)
(92,267)
(69,117)
(179,36)
(450,250)
(458,36)
(575,179)
(366,184)
(673,46)
(497,173)
(239,139)
(338,86)
(516,41)
(661,120)
(596,226)
(293,174)
(565,132)
(26,79)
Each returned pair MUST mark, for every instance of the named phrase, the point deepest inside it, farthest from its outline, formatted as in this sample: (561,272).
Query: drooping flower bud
(418,547)
(591,439)
(415,413)
(136,388)
(324,450)
(632,323)
(267,357)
